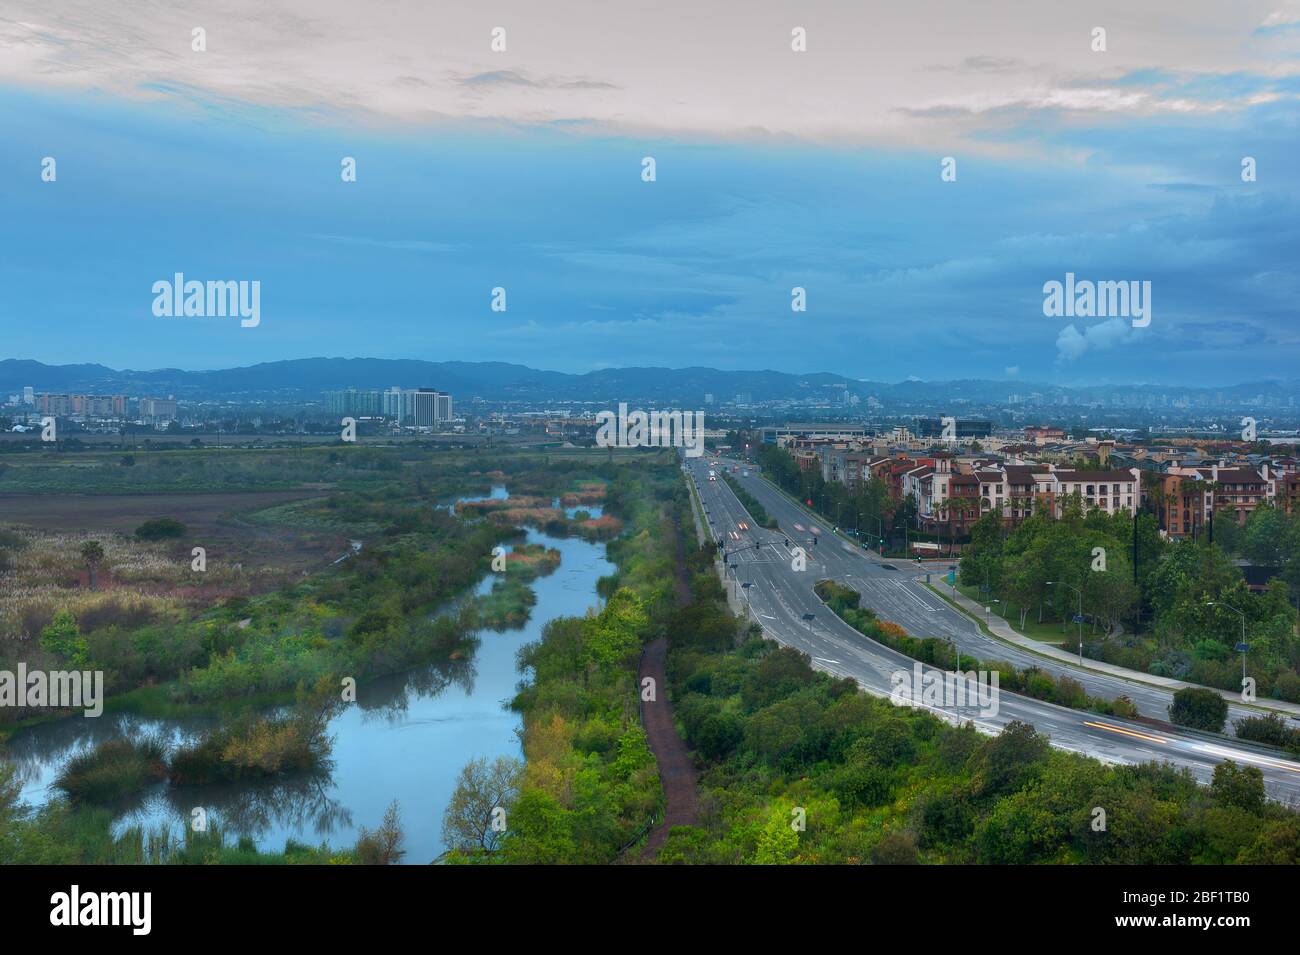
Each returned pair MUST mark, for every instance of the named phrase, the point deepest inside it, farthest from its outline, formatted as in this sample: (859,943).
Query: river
(406,738)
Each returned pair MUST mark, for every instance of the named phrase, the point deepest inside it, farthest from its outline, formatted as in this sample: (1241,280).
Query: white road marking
(903,587)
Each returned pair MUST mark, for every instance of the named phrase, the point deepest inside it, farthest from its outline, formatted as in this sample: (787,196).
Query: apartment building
(1287,491)
(951,494)
(67,405)
(158,410)
(1044,434)
(1188,495)
(1109,491)
(418,407)
(845,465)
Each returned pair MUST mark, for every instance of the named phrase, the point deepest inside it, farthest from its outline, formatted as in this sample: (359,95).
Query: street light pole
(1078,616)
(1242,615)
(1080,626)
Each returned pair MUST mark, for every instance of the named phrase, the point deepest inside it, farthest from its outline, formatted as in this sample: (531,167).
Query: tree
(778,841)
(92,552)
(1238,786)
(483,795)
(1200,709)
(895,848)
(12,811)
(541,831)
(383,846)
(1007,761)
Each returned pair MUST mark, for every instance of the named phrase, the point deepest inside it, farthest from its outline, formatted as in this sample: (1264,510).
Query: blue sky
(906,275)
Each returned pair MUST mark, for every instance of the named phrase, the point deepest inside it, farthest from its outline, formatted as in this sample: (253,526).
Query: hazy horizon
(1021,382)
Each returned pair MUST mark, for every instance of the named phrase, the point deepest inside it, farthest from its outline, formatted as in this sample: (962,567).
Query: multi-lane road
(782,599)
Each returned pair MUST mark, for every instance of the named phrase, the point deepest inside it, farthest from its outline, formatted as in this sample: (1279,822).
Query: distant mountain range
(307,378)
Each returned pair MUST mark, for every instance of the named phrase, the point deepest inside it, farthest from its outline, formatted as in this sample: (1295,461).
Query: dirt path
(676,769)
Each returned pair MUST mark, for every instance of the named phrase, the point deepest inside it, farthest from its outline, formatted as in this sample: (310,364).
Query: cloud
(513,78)
(420,64)
(986,64)
(1071,344)
(1280,21)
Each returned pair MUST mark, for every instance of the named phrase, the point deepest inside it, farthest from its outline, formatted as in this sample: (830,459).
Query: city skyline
(373,374)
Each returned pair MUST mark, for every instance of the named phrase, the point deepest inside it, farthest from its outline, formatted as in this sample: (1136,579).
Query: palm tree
(92,552)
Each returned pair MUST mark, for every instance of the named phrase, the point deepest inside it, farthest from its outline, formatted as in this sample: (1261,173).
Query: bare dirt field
(46,571)
(212,520)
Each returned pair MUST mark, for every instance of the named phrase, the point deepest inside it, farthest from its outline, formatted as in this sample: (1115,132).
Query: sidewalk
(999,628)
(1002,630)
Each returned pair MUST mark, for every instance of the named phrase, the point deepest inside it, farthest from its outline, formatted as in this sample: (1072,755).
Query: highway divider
(750,503)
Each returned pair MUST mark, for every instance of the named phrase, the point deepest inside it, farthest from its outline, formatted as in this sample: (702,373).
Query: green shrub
(63,637)
(1271,729)
(1199,708)
(161,528)
(113,770)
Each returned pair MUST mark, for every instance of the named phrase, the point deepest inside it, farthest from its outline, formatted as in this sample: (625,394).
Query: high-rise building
(425,407)
(421,407)
(354,403)
(102,406)
(430,408)
(158,409)
(396,405)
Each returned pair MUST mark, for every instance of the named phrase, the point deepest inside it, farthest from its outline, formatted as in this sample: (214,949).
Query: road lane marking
(905,589)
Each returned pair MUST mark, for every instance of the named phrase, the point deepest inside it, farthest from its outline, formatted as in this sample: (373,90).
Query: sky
(522,169)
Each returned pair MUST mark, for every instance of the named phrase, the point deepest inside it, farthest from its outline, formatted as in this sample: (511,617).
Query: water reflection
(406,738)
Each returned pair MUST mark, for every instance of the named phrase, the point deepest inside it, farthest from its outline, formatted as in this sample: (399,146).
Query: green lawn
(1049,631)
